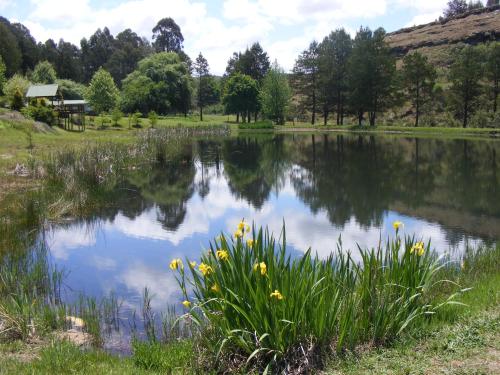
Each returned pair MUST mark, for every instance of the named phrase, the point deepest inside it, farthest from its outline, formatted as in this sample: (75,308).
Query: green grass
(418,131)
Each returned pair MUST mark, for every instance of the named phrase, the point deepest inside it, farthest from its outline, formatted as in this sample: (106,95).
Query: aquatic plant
(278,312)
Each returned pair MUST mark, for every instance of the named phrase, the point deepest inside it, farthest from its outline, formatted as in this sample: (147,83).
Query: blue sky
(217,28)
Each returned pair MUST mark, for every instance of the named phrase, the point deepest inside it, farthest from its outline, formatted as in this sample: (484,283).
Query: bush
(16,83)
(485,119)
(116,116)
(273,311)
(17,102)
(39,111)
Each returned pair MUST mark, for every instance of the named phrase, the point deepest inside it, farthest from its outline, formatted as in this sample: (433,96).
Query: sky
(217,28)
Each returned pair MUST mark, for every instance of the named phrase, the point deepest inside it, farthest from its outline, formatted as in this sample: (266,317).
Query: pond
(324,187)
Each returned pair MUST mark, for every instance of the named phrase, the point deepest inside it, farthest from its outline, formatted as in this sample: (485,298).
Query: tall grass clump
(273,312)
(30,294)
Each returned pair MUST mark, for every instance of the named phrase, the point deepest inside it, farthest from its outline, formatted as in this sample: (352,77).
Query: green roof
(42,91)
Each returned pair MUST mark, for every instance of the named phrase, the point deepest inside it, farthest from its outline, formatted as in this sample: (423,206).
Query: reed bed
(271,312)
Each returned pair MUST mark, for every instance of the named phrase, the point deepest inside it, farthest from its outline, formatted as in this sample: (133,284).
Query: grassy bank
(393,129)
(457,339)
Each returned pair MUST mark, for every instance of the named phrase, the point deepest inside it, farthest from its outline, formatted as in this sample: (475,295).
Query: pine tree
(493,72)
(305,79)
(419,78)
(202,71)
(465,75)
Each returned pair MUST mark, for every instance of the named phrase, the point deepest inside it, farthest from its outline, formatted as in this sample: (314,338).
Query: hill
(437,39)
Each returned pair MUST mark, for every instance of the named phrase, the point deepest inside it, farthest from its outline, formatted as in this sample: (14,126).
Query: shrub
(17,101)
(136,119)
(39,111)
(153,118)
(116,116)
(16,83)
(275,311)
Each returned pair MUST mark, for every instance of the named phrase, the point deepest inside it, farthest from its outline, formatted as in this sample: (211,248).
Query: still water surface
(322,186)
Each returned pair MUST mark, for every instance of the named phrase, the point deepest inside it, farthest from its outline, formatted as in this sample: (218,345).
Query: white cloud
(423,19)
(63,240)
(239,24)
(5,4)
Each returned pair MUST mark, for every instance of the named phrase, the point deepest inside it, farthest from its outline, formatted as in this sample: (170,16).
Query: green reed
(276,311)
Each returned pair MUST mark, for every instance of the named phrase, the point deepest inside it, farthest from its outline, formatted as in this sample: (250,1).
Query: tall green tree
(254,62)
(276,94)
(96,51)
(241,95)
(68,62)
(419,78)
(372,74)
(26,43)
(167,36)
(305,79)
(9,50)
(161,83)
(2,75)
(333,56)
(102,93)
(44,73)
(493,72)
(207,92)
(128,50)
(465,75)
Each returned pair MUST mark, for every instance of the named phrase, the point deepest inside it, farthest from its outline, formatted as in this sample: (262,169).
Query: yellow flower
(247,228)
(397,224)
(238,234)
(250,243)
(276,294)
(222,254)
(241,226)
(260,266)
(215,288)
(205,269)
(418,248)
(186,304)
(192,264)
(175,264)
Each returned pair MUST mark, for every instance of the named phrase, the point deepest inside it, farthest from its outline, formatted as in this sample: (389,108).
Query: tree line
(336,79)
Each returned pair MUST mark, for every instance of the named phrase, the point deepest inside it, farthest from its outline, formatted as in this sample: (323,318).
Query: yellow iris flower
(205,269)
(186,304)
(241,226)
(176,264)
(260,267)
(418,248)
(222,254)
(397,224)
(276,294)
(250,242)
(238,234)
(215,288)
(192,264)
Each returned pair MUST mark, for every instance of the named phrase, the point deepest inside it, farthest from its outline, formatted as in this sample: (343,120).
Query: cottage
(71,112)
